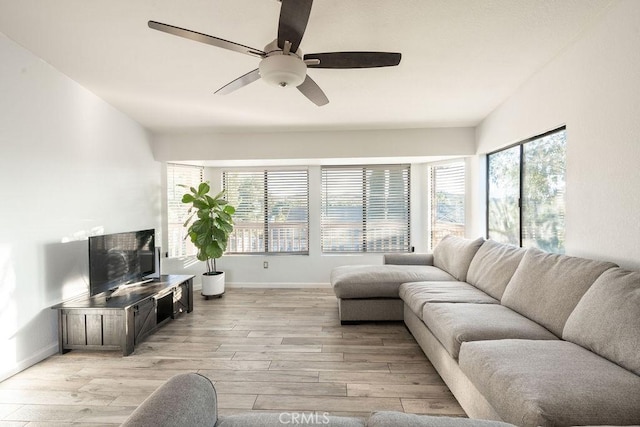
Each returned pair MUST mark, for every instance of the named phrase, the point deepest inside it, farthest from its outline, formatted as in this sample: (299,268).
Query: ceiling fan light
(283,70)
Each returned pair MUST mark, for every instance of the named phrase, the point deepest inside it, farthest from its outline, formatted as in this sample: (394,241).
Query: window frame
(266,222)
(432,191)
(521,183)
(364,245)
(187,242)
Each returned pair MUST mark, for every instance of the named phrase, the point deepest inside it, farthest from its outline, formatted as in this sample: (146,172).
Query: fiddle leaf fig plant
(210,222)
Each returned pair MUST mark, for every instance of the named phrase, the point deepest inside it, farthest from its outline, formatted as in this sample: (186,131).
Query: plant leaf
(210,201)
(188,198)
(213,250)
(228,228)
(188,219)
(219,235)
(203,189)
(199,204)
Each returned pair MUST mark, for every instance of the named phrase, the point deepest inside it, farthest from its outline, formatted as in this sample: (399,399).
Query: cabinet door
(144,319)
(74,329)
(93,326)
(181,299)
(113,328)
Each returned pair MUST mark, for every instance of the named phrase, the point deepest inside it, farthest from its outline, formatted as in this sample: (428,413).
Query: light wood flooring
(266,349)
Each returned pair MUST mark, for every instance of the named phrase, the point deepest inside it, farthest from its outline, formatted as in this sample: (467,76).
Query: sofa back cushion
(187,399)
(547,287)
(493,266)
(454,254)
(607,319)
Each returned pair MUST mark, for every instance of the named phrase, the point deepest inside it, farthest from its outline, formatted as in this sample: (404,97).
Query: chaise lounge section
(518,335)
(371,292)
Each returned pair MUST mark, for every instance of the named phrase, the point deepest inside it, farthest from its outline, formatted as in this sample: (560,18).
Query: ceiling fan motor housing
(282,69)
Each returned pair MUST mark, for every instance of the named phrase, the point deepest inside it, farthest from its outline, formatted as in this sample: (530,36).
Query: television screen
(119,259)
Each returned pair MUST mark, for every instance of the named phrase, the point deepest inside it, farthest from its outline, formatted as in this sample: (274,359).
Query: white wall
(594,88)
(258,147)
(70,165)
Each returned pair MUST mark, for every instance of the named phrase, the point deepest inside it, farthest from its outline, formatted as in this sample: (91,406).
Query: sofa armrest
(408,259)
(185,399)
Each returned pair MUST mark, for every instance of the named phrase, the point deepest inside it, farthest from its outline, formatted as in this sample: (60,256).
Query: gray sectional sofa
(521,336)
(191,400)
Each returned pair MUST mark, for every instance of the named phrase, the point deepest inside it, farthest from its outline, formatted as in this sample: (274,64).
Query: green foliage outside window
(531,214)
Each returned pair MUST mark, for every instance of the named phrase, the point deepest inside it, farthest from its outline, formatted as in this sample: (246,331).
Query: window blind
(272,211)
(447,201)
(365,208)
(176,210)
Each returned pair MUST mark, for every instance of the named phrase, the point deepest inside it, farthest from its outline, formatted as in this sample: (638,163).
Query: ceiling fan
(282,62)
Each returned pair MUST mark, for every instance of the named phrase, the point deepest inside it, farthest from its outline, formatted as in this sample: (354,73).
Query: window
(447,200)
(177,211)
(365,209)
(272,211)
(526,188)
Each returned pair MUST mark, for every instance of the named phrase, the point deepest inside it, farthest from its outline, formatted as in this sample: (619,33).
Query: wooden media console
(120,321)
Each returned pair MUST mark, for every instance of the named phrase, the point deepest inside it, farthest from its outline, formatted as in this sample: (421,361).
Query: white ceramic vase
(213,284)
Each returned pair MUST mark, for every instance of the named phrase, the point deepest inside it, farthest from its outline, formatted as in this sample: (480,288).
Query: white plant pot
(213,285)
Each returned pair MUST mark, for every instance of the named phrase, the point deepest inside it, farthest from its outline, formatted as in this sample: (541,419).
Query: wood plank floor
(266,349)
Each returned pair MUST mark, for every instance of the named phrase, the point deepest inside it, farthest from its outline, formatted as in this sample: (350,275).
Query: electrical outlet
(265,264)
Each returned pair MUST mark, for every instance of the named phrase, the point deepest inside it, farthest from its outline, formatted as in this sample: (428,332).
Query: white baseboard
(26,363)
(277,285)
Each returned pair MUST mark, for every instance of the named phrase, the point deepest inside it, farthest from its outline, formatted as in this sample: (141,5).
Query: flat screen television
(120,259)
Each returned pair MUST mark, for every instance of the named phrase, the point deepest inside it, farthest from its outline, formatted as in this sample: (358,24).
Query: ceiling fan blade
(354,59)
(294,15)
(311,90)
(241,81)
(204,38)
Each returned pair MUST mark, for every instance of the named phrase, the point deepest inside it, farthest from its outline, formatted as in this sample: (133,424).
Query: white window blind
(365,208)
(177,211)
(447,200)
(272,211)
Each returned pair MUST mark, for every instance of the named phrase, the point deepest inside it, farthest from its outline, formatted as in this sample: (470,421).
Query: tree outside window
(526,193)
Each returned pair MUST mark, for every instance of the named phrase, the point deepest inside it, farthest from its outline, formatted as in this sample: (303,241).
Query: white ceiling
(460,58)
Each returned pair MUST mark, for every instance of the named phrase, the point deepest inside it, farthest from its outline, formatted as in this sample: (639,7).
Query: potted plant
(209,224)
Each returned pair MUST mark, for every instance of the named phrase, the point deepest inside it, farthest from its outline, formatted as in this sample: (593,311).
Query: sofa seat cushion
(547,287)
(288,418)
(417,294)
(493,266)
(607,319)
(454,324)
(401,419)
(454,254)
(380,281)
(551,383)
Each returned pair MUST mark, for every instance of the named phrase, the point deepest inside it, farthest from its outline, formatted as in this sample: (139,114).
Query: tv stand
(121,321)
